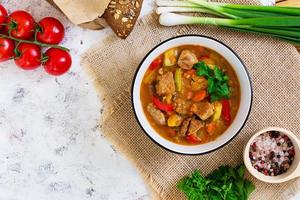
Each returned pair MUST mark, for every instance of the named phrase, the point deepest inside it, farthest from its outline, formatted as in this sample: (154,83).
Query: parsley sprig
(217,81)
(225,183)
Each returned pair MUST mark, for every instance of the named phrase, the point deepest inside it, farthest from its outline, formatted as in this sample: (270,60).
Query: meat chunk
(195,125)
(165,84)
(181,106)
(203,110)
(184,127)
(156,114)
(187,59)
(190,126)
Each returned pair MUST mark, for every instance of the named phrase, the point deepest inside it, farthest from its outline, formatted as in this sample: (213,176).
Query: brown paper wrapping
(86,14)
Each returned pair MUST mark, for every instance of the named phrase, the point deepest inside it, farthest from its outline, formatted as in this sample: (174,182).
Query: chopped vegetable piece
(218,111)
(211,127)
(189,95)
(217,81)
(155,64)
(224,183)
(172,132)
(178,79)
(226,111)
(190,72)
(198,83)
(199,96)
(169,98)
(170,57)
(149,77)
(162,106)
(174,120)
(210,62)
(203,57)
(193,139)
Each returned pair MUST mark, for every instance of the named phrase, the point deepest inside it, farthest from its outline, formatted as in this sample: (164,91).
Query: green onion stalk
(280,22)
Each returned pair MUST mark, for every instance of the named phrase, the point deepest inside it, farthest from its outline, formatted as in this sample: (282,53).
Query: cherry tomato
(7,47)
(21,24)
(28,56)
(58,63)
(52,31)
(3,15)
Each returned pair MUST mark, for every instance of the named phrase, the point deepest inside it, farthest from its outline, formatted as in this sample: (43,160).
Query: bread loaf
(121,15)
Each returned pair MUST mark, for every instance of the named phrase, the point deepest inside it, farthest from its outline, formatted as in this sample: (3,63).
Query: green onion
(281,32)
(161,10)
(270,9)
(280,22)
(269,21)
(293,40)
(171,3)
(171,19)
(249,14)
(213,7)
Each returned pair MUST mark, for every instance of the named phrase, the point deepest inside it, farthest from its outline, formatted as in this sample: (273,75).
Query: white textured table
(50,145)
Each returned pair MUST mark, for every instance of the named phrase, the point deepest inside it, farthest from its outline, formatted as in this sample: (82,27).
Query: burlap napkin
(274,68)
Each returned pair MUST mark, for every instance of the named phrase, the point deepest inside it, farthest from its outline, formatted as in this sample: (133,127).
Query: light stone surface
(50,144)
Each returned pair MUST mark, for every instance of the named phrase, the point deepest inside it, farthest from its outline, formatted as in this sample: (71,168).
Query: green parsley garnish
(217,81)
(224,183)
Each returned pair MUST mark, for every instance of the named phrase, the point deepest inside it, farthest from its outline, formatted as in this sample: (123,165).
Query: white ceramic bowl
(243,77)
(293,171)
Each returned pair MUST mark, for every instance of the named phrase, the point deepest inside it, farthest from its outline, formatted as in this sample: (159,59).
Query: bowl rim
(201,36)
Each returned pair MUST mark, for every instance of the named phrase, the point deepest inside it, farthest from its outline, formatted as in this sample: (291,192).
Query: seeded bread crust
(121,16)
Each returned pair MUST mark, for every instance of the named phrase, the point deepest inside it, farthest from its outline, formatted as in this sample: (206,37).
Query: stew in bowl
(188,92)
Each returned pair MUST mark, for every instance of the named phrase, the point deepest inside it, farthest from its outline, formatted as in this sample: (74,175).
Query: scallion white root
(172,19)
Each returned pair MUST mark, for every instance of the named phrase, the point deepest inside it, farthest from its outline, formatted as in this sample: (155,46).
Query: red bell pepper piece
(162,106)
(193,139)
(155,64)
(226,111)
(172,132)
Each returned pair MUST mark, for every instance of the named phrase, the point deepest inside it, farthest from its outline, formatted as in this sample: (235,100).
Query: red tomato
(29,56)
(21,24)
(3,15)
(52,31)
(58,63)
(7,47)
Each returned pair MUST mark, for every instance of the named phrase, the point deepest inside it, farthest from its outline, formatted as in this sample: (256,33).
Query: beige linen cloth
(274,68)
